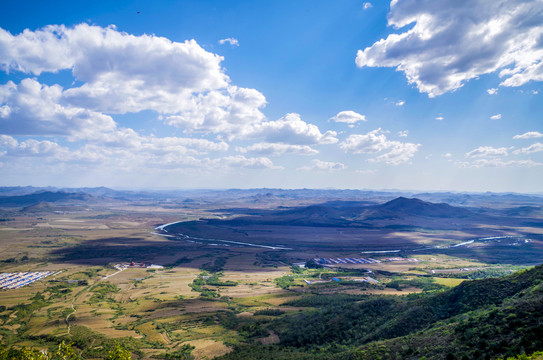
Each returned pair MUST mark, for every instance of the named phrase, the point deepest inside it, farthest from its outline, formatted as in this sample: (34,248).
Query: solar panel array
(333,261)
(18,280)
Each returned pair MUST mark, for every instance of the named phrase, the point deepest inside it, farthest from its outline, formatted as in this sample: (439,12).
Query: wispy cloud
(271,149)
(479,163)
(318,165)
(483,151)
(537,147)
(496,117)
(231,41)
(529,135)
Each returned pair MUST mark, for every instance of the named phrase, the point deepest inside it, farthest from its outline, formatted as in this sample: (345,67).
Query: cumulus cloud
(178,79)
(440,118)
(403,133)
(33,148)
(274,149)
(367,5)
(30,108)
(375,141)
(349,117)
(496,117)
(484,151)
(231,41)
(537,147)
(529,135)
(400,103)
(319,165)
(232,112)
(148,152)
(492,91)
(452,42)
(291,129)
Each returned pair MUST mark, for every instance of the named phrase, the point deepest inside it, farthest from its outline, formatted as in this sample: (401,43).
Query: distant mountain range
(328,207)
(45,197)
(270,195)
(399,213)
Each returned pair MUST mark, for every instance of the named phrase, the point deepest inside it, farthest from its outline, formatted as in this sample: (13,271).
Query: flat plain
(224,259)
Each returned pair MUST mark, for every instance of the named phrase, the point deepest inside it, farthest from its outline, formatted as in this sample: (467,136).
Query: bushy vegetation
(483,319)
(62,351)
(102,292)
(424,283)
(199,285)
(270,312)
(183,353)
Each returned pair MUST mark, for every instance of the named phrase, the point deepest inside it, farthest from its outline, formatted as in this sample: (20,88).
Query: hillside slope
(482,319)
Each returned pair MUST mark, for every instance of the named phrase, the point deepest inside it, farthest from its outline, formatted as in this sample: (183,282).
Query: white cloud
(529,135)
(492,91)
(367,5)
(447,155)
(398,153)
(240,161)
(403,133)
(375,141)
(32,148)
(479,163)
(232,112)
(271,149)
(483,151)
(31,108)
(178,79)
(291,129)
(452,42)
(319,165)
(168,153)
(231,41)
(496,117)
(349,117)
(537,147)
(440,118)
(400,103)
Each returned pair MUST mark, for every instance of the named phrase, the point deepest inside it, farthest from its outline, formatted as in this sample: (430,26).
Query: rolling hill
(399,212)
(47,197)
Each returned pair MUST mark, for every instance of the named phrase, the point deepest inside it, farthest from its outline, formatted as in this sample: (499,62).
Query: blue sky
(414,95)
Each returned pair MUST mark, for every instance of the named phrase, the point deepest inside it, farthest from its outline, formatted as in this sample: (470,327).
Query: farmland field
(219,283)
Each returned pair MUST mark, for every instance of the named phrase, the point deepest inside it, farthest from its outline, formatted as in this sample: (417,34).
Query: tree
(119,353)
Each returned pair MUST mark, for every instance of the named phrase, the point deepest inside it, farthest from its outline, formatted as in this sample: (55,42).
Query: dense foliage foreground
(482,319)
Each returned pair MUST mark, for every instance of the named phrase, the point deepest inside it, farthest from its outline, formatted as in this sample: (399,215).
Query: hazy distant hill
(39,208)
(397,212)
(47,197)
(402,207)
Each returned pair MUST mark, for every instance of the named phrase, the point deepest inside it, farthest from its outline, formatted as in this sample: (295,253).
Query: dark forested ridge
(482,319)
